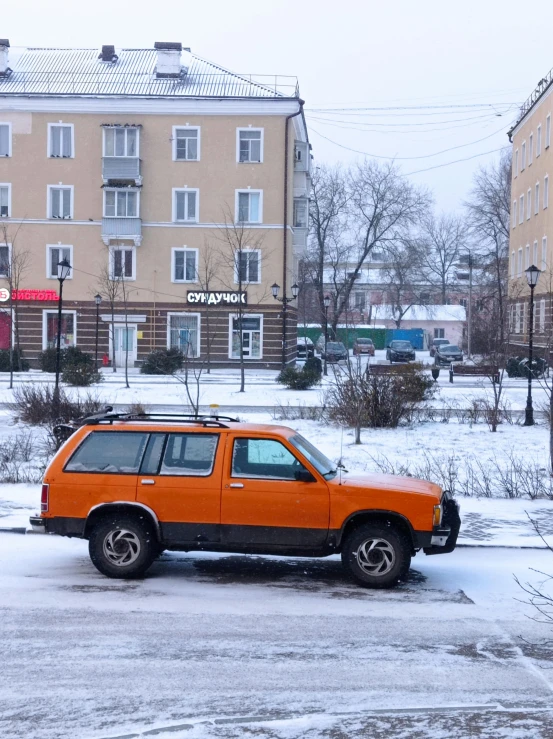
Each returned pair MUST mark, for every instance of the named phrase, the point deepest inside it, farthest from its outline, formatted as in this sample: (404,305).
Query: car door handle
(236,485)
(148,482)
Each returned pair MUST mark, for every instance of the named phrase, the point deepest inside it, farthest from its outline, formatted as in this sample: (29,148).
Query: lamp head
(532,275)
(295,290)
(274,289)
(326,300)
(64,268)
(98,299)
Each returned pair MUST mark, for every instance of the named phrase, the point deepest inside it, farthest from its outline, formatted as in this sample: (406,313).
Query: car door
(180,480)
(262,502)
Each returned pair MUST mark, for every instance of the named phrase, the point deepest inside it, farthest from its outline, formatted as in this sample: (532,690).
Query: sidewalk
(490,522)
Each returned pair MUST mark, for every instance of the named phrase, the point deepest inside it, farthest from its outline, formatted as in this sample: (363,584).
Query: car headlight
(437,519)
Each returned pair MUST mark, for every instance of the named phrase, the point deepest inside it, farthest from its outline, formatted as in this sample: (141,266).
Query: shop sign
(216,298)
(41,295)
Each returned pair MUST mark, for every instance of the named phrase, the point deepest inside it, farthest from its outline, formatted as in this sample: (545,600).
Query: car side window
(189,454)
(109,452)
(152,457)
(264,459)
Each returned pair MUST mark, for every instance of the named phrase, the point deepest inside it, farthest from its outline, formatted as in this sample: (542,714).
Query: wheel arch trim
(377,513)
(128,504)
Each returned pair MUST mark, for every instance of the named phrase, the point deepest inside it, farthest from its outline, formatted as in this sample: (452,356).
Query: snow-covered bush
(34,404)
(162,362)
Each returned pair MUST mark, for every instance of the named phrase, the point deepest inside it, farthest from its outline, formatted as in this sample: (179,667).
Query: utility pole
(469,316)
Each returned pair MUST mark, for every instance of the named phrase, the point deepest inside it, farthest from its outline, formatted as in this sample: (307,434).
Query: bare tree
(402,275)
(110,288)
(442,240)
(208,271)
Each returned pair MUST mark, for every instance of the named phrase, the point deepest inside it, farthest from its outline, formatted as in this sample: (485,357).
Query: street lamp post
(97,300)
(532,275)
(284,300)
(64,268)
(326,301)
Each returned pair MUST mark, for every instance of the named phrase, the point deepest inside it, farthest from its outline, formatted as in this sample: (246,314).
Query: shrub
(314,365)
(69,355)
(34,404)
(299,379)
(20,364)
(81,375)
(162,362)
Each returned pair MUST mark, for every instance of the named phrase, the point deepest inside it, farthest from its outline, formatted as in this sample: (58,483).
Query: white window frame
(548,131)
(49,146)
(513,265)
(120,189)
(520,262)
(248,251)
(515,210)
(521,209)
(517,318)
(111,266)
(538,141)
(545,191)
(174,202)
(527,256)
(529,204)
(49,189)
(174,142)
(537,199)
(9,245)
(248,191)
(542,316)
(185,313)
(9,125)
(261,144)
(124,128)
(523,156)
(48,260)
(246,315)
(54,311)
(516,163)
(9,186)
(185,249)
(535,252)
(530,149)
(544,252)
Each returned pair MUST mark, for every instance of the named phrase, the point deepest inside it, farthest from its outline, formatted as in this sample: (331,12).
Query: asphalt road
(240,646)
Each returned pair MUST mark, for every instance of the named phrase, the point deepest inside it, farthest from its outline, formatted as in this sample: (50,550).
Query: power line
(405,127)
(411,108)
(456,161)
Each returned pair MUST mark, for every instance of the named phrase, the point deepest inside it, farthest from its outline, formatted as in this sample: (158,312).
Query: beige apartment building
(177,190)
(531,241)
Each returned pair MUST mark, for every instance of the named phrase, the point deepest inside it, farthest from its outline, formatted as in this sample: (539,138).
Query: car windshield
(364,341)
(322,464)
(335,346)
(401,345)
(450,349)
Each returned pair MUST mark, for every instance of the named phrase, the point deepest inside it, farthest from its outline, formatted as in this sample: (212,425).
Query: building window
(185,265)
(521,209)
(528,204)
(185,205)
(120,203)
(439,333)
(537,199)
(514,213)
(516,163)
(527,255)
(542,316)
(250,144)
(60,140)
(5,254)
(55,255)
(544,253)
(535,253)
(300,213)
(122,263)
(68,333)
(548,131)
(538,141)
(530,148)
(186,144)
(513,265)
(517,318)
(523,156)
(252,337)
(183,333)
(359,301)
(121,141)
(249,206)
(5,201)
(60,202)
(546,191)
(5,139)
(248,266)
(520,262)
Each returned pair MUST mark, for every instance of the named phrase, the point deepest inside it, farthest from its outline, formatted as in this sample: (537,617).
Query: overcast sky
(482,56)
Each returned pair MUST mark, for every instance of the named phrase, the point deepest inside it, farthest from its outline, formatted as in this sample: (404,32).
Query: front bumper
(444,537)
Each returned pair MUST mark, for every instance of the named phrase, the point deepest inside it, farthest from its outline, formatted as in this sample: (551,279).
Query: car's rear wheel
(123,546)
(376,556)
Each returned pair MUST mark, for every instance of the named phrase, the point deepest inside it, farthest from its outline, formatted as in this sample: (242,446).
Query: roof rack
(107,416)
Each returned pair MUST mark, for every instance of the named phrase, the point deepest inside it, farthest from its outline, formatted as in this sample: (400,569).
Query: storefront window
(184,333)
(251,337)
(67,332)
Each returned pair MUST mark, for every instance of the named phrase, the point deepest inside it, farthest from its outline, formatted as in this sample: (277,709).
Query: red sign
(35,295)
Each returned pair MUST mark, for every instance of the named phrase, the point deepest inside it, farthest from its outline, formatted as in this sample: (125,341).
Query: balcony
(114,229)
(121,169)
(299,240)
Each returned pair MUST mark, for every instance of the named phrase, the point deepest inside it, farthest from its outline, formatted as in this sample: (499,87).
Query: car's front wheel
(123,546)
(376,556)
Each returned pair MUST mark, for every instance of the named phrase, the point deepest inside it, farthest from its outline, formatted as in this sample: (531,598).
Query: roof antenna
(341,465)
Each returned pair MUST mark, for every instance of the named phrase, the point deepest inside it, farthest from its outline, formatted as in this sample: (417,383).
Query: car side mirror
(304,476)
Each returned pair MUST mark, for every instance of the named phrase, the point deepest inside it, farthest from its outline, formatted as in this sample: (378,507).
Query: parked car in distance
(335,352)
(400,351)
(305,347)
(447,354)
(363,346)
(436,343)
(136,485)
(518,367)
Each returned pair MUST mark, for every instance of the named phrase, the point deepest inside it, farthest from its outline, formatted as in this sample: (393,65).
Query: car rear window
(336,346)
(364,341)
(109,452)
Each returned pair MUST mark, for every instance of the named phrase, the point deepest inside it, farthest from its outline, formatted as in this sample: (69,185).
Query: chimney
(4,46)
(108,54)
(168,59)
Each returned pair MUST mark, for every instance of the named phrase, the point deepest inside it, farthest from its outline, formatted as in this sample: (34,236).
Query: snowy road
(207,643)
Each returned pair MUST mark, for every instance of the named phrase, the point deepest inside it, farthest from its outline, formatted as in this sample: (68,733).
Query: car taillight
(44,498)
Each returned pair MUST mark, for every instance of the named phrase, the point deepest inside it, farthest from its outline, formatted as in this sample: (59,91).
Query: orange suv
(135,485)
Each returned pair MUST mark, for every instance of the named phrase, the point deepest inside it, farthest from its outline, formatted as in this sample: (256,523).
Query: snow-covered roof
(36,71)
(422,313)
